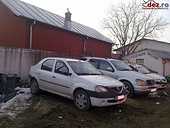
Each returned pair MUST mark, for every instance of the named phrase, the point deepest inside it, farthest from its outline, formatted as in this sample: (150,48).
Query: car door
(45,74)
(62,78)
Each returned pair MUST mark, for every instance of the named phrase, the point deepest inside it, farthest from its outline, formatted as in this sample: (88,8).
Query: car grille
(116,90)
(150,82)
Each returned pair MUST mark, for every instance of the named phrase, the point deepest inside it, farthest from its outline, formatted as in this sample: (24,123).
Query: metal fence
(18,61)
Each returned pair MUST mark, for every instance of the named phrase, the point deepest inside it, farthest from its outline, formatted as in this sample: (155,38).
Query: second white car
(135,82)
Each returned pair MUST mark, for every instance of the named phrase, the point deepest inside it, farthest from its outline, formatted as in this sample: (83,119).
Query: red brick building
(25,26)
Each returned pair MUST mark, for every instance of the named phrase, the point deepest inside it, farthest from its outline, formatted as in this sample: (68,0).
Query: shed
(26,26)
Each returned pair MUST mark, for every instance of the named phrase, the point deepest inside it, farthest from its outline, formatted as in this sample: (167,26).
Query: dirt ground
(51,111)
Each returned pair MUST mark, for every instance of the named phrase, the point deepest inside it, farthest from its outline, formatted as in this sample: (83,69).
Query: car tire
(129,88)
(82,100)
(34,87)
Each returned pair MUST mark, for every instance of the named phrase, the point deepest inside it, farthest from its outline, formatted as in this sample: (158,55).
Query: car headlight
(140,82)
(164,80)
(100,88)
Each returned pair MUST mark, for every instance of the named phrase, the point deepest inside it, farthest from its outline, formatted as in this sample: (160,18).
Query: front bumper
(103,102)
(161,85)
(107,98)
(146,89)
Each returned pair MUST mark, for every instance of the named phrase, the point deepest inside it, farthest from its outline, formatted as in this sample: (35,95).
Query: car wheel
(82,100)
(34,87)
(129,88)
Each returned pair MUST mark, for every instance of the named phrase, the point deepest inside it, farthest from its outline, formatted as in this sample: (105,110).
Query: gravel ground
(51,111)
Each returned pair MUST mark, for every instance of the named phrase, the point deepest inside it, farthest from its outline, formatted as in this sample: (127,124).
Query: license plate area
(120,97)
(153,90)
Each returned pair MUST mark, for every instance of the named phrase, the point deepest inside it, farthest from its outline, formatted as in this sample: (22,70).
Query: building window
(140,61)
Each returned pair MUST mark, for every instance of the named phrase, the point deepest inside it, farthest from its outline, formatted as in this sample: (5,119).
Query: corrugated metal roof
(161,54)
(23,9)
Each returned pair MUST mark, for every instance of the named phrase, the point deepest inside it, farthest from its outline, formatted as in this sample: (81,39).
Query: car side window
(61,68)
(48,65)
(105,66)
(94,62)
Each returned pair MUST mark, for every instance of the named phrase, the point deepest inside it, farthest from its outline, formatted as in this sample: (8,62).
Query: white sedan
(77,80)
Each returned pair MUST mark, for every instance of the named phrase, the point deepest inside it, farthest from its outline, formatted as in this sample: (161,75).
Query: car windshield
(142,69)
(83,68)
(120,65)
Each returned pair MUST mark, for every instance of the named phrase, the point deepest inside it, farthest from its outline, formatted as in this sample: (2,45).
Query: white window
(140,61)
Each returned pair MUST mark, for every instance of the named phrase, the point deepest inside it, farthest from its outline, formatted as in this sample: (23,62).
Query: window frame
(64,65)
(138,61)
(45,62)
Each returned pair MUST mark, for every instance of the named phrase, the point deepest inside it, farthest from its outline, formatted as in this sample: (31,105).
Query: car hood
(102,80)
(155,76)
(133,74)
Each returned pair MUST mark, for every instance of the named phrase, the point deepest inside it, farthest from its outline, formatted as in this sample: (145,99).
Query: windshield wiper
(95,74)
(146,73)
(88,74)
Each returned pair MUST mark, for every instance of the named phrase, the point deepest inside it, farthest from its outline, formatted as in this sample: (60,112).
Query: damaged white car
(77,80)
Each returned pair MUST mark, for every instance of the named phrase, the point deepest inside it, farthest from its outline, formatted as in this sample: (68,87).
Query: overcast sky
(91,12)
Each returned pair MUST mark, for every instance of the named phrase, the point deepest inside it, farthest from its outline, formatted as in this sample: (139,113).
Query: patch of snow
(60,117)
(17,104)
(157,103)
(154,95)
(120,111)
(165,93)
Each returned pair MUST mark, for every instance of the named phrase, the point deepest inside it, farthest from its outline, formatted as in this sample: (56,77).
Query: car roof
(106,59)
(58,58)
(114,60)
(95,58)
(138,65)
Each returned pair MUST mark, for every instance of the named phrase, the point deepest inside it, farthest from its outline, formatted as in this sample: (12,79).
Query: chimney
(67,21)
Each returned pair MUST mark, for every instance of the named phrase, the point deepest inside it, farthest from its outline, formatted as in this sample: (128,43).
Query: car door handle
(53,77)
(39,73)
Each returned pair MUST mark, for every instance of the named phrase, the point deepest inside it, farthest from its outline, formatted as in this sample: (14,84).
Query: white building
(151,53)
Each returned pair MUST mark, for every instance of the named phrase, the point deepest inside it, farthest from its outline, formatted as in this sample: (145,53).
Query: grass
(51,111)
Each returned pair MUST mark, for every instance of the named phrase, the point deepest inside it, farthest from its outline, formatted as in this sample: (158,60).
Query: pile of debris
(17,104)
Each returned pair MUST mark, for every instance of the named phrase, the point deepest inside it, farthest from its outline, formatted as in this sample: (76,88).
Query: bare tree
(129,23)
